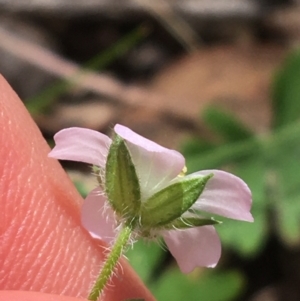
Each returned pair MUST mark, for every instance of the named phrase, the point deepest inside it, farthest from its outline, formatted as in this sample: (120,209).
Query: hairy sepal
(171,202)
(191,222)
(121,181)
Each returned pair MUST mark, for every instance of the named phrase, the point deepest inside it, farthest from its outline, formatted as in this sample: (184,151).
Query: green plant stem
(43,100)
(110,262)
(283,137)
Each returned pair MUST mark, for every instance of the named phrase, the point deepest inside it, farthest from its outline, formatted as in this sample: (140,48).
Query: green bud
(121,181)
(171,202)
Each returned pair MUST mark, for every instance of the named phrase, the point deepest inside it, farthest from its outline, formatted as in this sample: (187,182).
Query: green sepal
(171,202)
(191,222)
(121,181)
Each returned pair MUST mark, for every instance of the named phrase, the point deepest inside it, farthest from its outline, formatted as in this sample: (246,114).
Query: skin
(45,254)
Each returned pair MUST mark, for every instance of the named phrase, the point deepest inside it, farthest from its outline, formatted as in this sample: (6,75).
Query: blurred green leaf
(287,164)
(144,258)
(252,171)
(286,199)
(248,238)
(195,147)
(224,154)
(226,125)
(81,188)
(288,220)
(175,286)
(286,91)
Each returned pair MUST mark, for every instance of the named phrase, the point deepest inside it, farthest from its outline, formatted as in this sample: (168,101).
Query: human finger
(43,246)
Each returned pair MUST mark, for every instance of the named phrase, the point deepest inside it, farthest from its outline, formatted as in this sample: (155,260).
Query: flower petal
(79,144)
(155,165)
(194,247)
(225,195)
(97,217)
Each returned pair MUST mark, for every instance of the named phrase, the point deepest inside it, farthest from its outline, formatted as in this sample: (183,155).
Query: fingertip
(44,247)
(33,296)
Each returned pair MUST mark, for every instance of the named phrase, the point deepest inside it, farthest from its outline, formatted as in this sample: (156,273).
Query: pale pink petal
(156,166)
(97,217)
(194,247)
(225,195)
(79,144)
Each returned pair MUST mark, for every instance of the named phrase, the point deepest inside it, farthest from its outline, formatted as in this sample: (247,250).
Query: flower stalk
(110,262)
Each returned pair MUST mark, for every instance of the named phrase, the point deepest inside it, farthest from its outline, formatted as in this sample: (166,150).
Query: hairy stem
(110,262)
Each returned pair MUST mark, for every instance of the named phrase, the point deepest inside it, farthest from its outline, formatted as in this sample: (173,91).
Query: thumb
(43,246)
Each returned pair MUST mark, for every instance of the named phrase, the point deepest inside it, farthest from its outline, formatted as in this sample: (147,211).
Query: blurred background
(218,80)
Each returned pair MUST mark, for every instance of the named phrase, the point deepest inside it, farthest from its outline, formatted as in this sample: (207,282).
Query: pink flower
(156,167)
